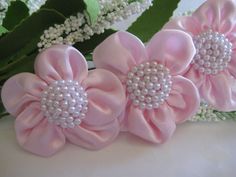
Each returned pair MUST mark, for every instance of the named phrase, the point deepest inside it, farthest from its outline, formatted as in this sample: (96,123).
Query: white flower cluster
(207,114)
(3,7)
(78,28)
(33,5)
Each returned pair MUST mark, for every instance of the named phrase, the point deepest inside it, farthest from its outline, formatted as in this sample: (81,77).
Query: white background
(196,150)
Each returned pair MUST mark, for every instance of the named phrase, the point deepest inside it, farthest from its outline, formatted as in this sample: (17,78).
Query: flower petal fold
(218,15)
(119,53)
(61,62)
(172,48)
(220,91)
(93,137)
(35,134)
(155,126)
(106,97)
(21,90)
(184,99)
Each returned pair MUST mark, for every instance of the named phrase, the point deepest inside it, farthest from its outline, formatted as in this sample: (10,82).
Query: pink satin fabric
(21,97)
(172,48)
(219,15)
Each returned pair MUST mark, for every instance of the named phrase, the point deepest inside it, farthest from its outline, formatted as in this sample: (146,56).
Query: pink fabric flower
(213,28)
(157,97)
(63,101)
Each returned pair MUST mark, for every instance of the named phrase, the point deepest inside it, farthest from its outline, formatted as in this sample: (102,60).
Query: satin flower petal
(106,97)
(156,126)
(35,134)
(93,137)
(232,66)
(184,99)
(119,53)
(61,62)
(218,15)
(21,90)
(172,48)
(187,24)
(220,91)
(195,76)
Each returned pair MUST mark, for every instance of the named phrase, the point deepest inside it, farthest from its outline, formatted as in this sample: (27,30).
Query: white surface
(196,150)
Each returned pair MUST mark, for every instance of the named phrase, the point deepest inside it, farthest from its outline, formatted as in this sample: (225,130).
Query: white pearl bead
(134,69)
(136,79)
(157,86)
(43,107)
(147,70)
(79,107)
(134,85)
(137,92)
(148,99)
(58,110)
(62,119)
(65,114)
(141,66)
(155,105)
(130,75)
(76,114)
(147,64)
(129,82)
(142,105)
(84,110)
(82,116)
(77,121)
(149,85)
(153,71)
(59,97)
(49,103)
(141,84)
(136,102)
(71,89)
(72,102)
(149,106)
(141,98)
(70,119)
(64,104)
(71,109)
(140,73)
(144,91)
(154,79)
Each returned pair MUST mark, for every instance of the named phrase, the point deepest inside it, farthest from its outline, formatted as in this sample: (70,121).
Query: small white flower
(77,28)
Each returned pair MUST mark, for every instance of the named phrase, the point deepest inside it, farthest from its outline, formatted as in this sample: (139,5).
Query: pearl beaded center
(148,85)
(64,103)
(213,52)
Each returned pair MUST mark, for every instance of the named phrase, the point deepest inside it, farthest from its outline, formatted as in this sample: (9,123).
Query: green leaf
(16,12)
(29,49)
(89,57)
(88,46)
(23,64)
(67,8)
(2,111)
(3,30)
(153,19)
(92,8)
(29,30)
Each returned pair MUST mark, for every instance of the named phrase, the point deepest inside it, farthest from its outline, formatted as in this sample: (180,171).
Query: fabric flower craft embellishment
(63,101)
(157,97)
(213,69)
